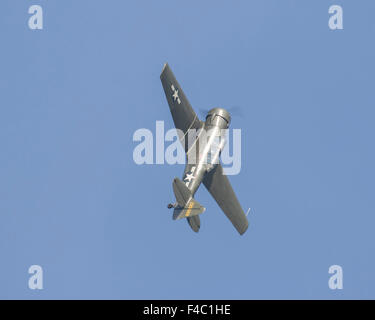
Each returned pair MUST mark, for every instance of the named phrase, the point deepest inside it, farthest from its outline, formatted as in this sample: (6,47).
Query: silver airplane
(205,151)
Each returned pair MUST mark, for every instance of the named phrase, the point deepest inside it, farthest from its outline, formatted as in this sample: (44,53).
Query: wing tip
(244,229)
(164,67)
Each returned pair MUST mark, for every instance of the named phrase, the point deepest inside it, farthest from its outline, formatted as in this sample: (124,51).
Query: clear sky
(73,201)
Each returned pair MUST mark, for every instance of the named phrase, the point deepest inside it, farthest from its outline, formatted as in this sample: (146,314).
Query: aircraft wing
(183,115)
(219,187)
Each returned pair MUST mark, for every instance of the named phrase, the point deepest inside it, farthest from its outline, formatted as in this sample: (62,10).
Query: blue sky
(73,201)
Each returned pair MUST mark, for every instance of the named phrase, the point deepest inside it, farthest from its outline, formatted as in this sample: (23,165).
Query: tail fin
(187,206)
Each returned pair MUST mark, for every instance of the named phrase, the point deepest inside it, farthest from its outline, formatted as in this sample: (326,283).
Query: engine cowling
(217,121)
(218,117)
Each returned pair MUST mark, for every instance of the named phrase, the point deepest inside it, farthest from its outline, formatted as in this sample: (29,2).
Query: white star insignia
(175,94)
(189,176)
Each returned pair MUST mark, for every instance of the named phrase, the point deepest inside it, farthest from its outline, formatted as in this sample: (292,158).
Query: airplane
(205,166)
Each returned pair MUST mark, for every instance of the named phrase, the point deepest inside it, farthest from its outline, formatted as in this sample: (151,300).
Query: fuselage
(203,155)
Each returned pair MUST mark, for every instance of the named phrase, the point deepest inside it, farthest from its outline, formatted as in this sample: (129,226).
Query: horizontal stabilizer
(192,208)
(194,222)
(186,206)
(181,192)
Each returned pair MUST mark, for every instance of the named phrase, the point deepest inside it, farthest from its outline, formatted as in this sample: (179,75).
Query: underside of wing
(219,187)
(183,115)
